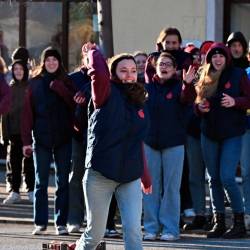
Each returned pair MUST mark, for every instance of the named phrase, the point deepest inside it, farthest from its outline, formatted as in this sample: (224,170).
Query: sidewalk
(23,211)
(22,214)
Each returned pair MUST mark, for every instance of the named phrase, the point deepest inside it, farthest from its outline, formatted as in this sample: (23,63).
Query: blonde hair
(3,67)
(207,82)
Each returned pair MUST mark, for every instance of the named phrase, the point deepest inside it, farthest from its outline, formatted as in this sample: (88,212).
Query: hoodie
(241,62)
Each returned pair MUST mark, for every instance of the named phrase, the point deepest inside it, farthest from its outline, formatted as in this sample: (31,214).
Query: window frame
(227,16)
(65,21)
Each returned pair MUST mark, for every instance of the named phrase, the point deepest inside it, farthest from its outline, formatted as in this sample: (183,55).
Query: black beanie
(218,51)
(20,53)
(50,52)
(218,48)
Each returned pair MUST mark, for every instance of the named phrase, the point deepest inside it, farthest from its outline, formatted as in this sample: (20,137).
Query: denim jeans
(245,170)
(76,197)
(98,191)
(42,160)
(221,159)
(162,207)
(196,174)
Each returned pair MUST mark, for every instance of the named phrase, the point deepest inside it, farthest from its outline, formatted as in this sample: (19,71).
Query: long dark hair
(41,70)
(135,92)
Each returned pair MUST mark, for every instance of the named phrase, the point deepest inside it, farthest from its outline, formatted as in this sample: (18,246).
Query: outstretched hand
(188,76)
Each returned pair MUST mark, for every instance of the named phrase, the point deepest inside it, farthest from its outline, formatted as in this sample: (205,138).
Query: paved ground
(16,224)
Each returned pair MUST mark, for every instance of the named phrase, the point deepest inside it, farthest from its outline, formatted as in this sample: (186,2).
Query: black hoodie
(241,62)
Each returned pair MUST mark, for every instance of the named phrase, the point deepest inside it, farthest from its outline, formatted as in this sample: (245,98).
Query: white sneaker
(169,237)
(39,230)
(12,198)
(189,212)
(30,196)
(61,230)
(73,228)
(149,236)
(247,221)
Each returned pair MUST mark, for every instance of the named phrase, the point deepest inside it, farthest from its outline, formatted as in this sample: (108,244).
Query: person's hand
(204,106)
(147,190)
(188,76)
(227,101)
(27,151)
(87,47)
(79,98)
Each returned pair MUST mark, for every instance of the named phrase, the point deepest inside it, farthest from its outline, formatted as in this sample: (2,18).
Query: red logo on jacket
(141,113)
(169,95)
(228,85)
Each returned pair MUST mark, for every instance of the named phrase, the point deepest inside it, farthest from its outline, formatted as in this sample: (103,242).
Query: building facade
(116,25)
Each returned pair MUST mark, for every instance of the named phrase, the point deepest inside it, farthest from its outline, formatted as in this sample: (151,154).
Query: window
(236,12)
(9,29)
(82,28)
(240,12)
(37,24)
(43,27)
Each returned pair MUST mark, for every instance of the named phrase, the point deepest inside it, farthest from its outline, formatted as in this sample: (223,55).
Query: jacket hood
(239,37)
(222,50)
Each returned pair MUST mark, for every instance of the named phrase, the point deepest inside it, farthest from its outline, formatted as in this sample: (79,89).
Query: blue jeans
(245,170)
(162,207)
(221,159)
(196,174)
(42,160)
(98,191)
(76,197)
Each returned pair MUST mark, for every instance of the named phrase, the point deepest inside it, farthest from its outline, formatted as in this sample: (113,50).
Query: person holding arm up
(114,158)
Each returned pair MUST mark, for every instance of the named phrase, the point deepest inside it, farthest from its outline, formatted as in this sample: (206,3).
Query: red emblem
(141,113)
(169,95)
(228,85)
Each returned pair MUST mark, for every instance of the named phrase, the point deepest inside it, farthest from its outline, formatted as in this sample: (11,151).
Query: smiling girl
(47,132)
(114,159)
(164,148)
(223,95)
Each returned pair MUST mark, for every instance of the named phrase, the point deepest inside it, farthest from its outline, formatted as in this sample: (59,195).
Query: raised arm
(188,93)
(99,73)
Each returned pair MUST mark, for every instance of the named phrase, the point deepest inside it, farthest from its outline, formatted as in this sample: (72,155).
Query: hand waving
(188,76)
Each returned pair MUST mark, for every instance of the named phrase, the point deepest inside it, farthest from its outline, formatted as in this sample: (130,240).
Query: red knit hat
(205,46)
(189,47)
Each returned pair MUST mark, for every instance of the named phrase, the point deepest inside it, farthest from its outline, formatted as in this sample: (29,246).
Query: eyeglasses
(196,57)
(167,65)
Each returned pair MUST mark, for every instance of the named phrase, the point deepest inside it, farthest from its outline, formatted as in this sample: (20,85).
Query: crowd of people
(136,131)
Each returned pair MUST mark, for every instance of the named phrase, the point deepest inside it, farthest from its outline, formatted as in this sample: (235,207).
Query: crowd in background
(165,120)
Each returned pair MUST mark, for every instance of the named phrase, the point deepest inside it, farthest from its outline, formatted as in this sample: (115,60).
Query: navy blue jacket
(220,122)
(53,117)
(167,115)
(115,135)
